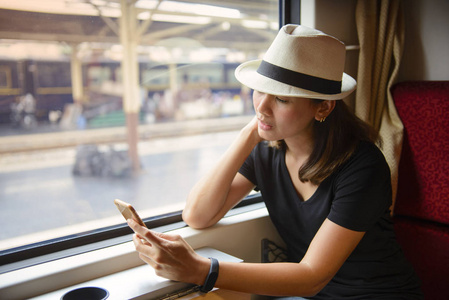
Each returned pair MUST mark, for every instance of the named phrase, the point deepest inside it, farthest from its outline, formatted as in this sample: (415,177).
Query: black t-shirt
(357,196)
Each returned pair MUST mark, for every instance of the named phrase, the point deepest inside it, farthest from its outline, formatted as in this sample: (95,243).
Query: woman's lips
(264,126)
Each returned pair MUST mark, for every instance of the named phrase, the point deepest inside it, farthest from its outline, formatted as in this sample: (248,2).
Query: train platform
(39,188)
(36,173)
(53,136)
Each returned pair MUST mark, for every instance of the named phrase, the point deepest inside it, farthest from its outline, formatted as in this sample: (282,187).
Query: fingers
(144,249)
(170,255)
(144,233)
(151,244)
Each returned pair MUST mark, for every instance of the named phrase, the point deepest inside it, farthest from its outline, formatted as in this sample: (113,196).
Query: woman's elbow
(194,220)
(315,290)
(309,291)
(316,281)
(317,286)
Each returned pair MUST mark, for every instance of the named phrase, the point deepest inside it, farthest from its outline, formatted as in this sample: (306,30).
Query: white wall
(336,18)
(426,51)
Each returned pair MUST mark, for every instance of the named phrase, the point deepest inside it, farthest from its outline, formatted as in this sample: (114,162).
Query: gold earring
(322,119)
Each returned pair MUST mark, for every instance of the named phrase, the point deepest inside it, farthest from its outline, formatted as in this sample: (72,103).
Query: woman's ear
(324,109)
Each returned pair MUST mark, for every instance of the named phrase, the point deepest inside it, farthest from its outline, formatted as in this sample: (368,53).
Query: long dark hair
(335,140)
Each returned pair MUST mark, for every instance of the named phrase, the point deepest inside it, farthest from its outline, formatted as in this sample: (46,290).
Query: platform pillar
(130,78)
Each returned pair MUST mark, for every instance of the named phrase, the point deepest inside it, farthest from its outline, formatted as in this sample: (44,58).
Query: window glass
(97,75)
(5,77)
(93,108)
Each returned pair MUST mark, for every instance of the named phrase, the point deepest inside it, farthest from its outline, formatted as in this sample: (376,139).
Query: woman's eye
(280,100)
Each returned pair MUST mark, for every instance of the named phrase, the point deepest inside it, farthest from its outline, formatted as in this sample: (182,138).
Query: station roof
(241,26)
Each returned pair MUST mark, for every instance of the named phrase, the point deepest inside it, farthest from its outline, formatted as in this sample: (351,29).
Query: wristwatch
(211,276)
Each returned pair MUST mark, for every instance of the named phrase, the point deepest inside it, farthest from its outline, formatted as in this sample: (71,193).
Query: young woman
(324,181)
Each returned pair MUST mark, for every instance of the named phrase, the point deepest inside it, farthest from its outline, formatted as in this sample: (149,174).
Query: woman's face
(284,118)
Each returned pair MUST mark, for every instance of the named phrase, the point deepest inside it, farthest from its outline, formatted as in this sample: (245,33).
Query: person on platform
(324,181)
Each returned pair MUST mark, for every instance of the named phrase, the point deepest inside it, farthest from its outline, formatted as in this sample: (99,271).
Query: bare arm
(223,187)
(173,258)
(328,251)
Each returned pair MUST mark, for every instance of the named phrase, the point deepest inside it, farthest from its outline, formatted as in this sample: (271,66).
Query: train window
(103,111)
(232,81)
(201,73)
(5,77)
(53,74)
(155,77)
(97,76)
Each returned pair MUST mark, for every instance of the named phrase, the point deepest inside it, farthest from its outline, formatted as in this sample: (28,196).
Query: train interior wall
(426,44)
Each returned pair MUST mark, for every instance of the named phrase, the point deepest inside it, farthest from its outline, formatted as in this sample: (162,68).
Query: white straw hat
(301,62)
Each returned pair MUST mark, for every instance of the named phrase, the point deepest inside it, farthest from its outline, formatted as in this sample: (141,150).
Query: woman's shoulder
(366,159)
(368,152)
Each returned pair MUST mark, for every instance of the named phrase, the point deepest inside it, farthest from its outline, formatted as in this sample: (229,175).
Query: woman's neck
(299,148)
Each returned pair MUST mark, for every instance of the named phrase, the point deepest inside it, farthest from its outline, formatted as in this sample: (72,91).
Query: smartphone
(128,211)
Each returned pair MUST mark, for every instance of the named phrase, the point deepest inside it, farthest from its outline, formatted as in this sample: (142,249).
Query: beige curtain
(381,35)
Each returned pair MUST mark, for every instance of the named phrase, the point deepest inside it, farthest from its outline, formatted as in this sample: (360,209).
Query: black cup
(86,293)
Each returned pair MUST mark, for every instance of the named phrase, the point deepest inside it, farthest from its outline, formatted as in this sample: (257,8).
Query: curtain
(380,31)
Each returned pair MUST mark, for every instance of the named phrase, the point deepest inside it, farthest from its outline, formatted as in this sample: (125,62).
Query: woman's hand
(252,128)
(169,255)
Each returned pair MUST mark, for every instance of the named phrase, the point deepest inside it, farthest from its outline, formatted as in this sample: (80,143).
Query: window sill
(237,235)
(138,282)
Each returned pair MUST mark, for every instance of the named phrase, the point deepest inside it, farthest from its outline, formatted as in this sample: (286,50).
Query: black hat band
(299,80)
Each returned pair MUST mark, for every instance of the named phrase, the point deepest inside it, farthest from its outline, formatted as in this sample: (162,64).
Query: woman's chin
(267,136)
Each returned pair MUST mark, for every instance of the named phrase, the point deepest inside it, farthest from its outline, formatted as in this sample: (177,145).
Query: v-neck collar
(291,185)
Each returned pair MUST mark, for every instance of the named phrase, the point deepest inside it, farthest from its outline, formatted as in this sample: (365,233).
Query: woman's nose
(263,106)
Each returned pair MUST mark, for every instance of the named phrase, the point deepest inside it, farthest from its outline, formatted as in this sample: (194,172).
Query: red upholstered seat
(422,203)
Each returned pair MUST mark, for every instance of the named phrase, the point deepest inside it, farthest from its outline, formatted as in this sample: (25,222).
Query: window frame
(40,252)
(36,253)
